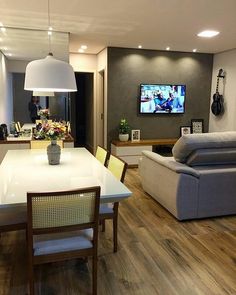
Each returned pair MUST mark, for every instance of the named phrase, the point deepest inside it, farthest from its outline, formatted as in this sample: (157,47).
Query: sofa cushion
(224,156)
(189,143)
(170,163)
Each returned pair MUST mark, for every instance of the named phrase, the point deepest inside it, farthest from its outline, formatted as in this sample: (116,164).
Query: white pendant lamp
(43,93)
(50,74)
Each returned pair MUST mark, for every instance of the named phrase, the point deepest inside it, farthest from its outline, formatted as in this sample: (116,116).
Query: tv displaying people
(157,98)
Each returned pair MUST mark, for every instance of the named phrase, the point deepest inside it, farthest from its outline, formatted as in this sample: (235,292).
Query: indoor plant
(124,129)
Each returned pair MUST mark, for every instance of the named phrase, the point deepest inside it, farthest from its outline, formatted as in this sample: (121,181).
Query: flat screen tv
(162,99)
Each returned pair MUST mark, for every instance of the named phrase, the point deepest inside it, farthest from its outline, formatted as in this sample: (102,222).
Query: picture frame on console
(185,130)
(197,125)
(135,135)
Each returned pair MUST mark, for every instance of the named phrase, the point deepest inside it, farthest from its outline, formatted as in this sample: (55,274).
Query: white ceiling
(155,24)
(33,44)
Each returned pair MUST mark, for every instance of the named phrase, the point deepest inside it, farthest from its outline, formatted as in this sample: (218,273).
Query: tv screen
(162,98)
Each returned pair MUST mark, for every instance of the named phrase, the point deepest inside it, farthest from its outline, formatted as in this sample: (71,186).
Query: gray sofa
(199,180)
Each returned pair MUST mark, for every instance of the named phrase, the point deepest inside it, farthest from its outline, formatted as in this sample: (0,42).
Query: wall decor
(185,130)
(135,135)
(197,125)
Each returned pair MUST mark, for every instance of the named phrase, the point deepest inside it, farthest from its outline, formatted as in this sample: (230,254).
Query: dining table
(27,170)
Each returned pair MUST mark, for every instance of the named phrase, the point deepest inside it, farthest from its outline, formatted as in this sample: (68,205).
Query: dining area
(61,208)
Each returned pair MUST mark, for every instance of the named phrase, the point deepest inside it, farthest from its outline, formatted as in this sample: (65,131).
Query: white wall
(83,62)
(226,61)
(102,60)
(17,66)
(101,103)
(6,98)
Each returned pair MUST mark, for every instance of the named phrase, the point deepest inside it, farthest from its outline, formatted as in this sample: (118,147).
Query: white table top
(25,171)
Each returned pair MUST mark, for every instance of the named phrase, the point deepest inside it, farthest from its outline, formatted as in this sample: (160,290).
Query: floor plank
(157,255)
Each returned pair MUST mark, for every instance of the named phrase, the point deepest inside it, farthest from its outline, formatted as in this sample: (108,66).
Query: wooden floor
(157,255)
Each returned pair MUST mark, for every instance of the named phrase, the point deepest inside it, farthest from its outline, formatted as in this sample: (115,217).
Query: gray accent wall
(128,68)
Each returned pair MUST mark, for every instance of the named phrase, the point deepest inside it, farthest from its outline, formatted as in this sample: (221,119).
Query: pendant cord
(49,26)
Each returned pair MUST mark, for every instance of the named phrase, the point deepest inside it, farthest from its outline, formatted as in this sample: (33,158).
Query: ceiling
(155,24)
(24,44)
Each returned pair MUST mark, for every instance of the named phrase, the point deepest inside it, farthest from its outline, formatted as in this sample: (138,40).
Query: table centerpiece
(53,132)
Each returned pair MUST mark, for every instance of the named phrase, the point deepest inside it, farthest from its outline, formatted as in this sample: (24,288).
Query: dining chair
(110,211)
(102,155)
(62,226)
(43,144)
(19,126)
(68,127)
(12,218)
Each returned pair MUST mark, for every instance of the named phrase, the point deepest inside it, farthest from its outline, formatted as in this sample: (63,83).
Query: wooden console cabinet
(130,151)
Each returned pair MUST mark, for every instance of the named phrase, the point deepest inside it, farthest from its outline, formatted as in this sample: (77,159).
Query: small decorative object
(197,125)
(44,114)
(185,130)
(135,135)
(124,130)
(53,132)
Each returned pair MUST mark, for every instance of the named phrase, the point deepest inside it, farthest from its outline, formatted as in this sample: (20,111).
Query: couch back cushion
(223,144)
(202,157)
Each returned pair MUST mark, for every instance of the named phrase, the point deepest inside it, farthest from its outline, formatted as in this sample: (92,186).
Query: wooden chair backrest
(102,155)
(117,167)
(68,127)
(50,212)
(17,127)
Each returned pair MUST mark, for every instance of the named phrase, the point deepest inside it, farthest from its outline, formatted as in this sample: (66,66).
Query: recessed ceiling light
(167,48)
(50,28)
(81,50)
(208,34)
(140,46)
(195,50)
(9,54)
(84,47)
(3,29)
(49,33)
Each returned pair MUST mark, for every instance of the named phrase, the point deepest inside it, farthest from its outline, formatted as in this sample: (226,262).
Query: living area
(176,232)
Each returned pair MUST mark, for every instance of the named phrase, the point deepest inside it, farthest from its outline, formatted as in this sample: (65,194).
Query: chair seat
(106,208)
(13,217)
(63,242)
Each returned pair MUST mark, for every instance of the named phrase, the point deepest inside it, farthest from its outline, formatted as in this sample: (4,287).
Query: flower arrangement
(52,131)
(124,127)
(44,113)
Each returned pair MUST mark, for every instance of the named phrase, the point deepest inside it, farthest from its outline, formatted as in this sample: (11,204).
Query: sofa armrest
(170,163)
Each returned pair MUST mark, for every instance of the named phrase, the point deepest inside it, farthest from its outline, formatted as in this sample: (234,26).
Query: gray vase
(54,153)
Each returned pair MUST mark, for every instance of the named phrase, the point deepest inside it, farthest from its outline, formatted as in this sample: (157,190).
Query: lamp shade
(43,93)
(50,74)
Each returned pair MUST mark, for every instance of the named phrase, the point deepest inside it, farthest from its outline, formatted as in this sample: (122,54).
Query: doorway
(82,111)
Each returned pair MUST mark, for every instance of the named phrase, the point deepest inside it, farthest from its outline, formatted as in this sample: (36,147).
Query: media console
(130,151)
